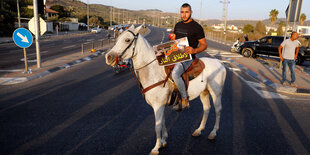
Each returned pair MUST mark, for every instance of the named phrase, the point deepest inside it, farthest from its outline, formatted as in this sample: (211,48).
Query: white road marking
(12,70)
(35,60)
(257,87)
(36,53)
(261,93)
(224,61)
(222,53)
(69,46)
(9,81)
(163,37)
(88,40)
(234,69)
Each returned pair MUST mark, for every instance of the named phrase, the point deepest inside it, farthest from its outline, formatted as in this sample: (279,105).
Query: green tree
(248,28)
(273,15)
(303,17)
(94,21)
(260,28)
(61,11)
(24,10)
(71,11)
(280,30)
(8,17)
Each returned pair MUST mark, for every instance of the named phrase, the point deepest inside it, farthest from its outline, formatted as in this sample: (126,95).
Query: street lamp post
(87,15)
(225,7)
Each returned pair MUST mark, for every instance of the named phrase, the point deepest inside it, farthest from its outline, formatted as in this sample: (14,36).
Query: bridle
(134,47)
(118,58)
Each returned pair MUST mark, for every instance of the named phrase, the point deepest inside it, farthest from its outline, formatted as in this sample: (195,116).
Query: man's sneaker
(293,84)
(285,83)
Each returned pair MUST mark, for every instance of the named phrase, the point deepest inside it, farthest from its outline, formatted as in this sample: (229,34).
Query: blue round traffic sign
(22,37)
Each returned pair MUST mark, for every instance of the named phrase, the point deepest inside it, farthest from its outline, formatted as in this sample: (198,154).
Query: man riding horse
(197,43)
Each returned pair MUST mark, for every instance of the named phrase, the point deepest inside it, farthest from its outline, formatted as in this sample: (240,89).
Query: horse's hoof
(164,144)
(154,152)
(212,136)
(196,133)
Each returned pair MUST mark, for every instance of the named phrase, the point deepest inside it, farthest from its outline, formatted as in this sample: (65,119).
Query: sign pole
(26,61)
(37,30)
(23,39)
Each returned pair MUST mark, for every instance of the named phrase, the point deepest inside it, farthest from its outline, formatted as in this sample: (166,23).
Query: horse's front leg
(164,133)
(159,117)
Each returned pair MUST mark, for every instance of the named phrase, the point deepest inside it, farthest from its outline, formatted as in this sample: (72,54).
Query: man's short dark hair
(185,5)
(293,33)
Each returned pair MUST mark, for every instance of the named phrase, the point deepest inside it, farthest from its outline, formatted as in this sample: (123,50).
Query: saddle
(192,72)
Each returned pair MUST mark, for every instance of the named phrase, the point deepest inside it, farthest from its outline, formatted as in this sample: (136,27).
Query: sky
(211,9)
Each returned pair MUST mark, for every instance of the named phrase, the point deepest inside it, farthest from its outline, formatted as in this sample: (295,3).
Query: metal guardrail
(65,35)
(94,45)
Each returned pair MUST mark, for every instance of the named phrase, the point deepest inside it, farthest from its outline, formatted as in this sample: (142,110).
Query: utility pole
(87,15)
(224,18)
(154,18)
(37,30)
(111,15)
(18,14)
(118,20)
(24,49)
(158,21)
(296,15)
(200,11)
(287,20)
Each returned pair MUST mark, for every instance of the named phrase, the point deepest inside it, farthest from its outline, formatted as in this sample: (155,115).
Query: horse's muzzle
(110,59)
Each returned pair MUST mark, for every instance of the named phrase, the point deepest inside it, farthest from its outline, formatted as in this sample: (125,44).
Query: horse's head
(124,46)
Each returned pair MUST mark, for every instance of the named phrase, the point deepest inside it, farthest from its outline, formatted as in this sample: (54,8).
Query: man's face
(186,13)
(295,36)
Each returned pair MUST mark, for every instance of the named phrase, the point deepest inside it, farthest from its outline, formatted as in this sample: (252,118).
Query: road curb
(277,87)
(15,80)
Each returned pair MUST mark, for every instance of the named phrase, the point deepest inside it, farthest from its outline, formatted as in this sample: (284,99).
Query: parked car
(96,30)
(269,46)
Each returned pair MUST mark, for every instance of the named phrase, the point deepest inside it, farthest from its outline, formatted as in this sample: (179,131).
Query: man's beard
(184,21)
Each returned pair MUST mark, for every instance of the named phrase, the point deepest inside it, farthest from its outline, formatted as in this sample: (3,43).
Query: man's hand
(189,50)
(281,58)
(295,58)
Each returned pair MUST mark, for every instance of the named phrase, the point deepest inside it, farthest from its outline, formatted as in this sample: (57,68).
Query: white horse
(210,82)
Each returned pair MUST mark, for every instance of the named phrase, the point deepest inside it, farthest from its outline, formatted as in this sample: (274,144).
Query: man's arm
(280,52)
(202,46)
(297,50)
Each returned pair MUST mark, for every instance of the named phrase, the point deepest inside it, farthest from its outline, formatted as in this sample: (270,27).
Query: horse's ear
(131,28)
(138,29)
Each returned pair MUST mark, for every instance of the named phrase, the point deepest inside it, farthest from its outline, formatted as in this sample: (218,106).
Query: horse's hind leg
(218,108)
(204,97)
(159,116)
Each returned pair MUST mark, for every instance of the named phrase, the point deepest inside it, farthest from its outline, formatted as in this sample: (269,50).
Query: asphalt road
(87,109)
(11,55)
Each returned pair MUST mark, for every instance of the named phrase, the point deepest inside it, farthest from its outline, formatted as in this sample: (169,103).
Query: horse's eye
(127,40)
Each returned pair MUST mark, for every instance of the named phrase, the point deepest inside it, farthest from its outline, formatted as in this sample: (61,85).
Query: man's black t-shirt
(192,30)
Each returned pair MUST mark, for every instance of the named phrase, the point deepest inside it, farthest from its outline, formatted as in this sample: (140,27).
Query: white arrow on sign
(24,38)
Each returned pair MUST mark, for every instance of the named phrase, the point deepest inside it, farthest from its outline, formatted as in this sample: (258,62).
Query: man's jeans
(177,72)
(291,64)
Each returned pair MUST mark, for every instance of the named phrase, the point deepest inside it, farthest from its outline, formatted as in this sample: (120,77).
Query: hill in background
(151,16)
